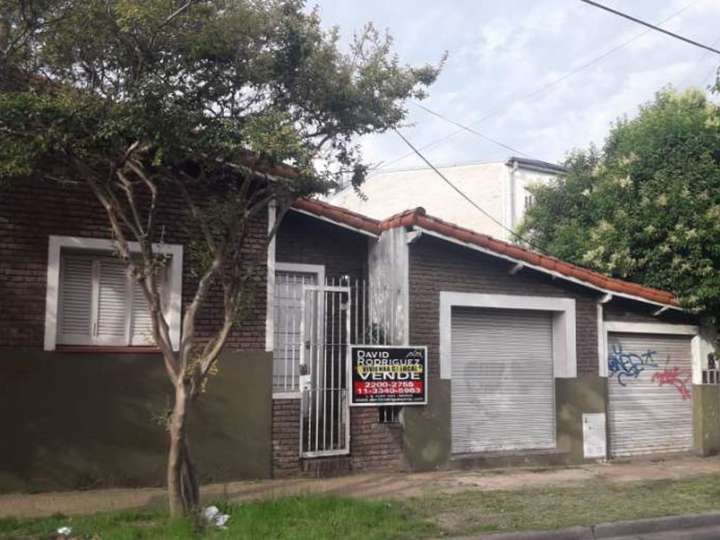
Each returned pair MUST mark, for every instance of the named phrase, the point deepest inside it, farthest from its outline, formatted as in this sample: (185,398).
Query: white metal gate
(326,331)
(503,387)
(650,394)
(287,338)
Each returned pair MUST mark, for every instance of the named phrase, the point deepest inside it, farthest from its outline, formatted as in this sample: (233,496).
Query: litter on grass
(214,517)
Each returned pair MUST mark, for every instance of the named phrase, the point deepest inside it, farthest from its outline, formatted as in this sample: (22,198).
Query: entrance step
(327,467)
(498,460)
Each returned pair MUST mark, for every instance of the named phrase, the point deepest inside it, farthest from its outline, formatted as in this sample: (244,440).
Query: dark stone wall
(73,421)
(625,310)
(33,210)
(306,240)
(436,265)
(374,445)
(285,437)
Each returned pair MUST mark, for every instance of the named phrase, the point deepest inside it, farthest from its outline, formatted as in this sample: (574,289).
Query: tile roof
(339,215)
(417,217)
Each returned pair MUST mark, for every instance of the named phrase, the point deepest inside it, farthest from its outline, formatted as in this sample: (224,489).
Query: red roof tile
(339,215)
(418,218)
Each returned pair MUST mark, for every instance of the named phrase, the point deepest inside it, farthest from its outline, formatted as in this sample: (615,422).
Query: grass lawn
(322,517)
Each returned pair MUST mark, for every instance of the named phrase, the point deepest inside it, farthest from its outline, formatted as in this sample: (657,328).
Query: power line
(473,131)
(649,25)
(689,79)
(463,194)
(540,89)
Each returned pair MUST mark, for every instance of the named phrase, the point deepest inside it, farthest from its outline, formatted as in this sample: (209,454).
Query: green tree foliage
(226,105)
(647,206)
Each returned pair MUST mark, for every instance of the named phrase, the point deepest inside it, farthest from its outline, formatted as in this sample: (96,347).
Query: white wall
(487,184)
(525,178)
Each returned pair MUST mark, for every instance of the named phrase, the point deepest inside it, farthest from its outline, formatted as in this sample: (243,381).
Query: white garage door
(650,394)
(503,390)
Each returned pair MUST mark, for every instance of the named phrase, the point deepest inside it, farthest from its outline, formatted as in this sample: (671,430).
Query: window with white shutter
(100,304)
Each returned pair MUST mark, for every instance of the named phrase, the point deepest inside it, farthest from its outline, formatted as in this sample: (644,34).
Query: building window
(100,304)
(92,300)
(529,201)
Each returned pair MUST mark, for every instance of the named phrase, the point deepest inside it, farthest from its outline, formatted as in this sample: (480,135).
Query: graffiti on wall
(628,365)
(625,365)
(675,377)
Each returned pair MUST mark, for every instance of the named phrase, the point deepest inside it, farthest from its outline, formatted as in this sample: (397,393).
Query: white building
(499,188)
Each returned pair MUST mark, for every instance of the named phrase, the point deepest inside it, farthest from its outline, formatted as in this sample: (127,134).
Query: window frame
(57,244)
(563,325)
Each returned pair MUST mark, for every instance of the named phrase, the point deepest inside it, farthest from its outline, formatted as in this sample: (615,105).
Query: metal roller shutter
(649,394)
(503,389)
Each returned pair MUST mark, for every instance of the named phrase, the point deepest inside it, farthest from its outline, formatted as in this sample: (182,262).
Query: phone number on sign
(366,389)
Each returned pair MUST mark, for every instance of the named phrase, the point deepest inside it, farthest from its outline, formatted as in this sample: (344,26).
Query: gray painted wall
(388,277)
(73,421)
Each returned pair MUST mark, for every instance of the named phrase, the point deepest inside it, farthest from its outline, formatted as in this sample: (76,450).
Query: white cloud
(501,51)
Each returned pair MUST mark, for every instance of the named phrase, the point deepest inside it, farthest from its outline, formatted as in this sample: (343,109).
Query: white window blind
(100,304)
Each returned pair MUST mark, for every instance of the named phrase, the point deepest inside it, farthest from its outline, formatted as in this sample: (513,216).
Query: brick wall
(33,210)
(303,239)
(285,437)
(436,265)
(374,445)
(625,310)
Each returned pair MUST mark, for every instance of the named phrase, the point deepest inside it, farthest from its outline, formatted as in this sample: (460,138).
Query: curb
(611,530)
(670,523)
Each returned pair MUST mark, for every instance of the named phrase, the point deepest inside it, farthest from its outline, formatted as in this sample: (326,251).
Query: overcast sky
(502,50)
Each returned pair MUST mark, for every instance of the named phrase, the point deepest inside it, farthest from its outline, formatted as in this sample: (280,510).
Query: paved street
(702,533)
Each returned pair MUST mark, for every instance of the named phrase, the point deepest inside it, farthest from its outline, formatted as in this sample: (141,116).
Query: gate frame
(324,288)
(301,268)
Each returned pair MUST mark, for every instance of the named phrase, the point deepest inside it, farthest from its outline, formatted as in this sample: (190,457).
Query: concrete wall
(73,421)
(388,280)
(706,414)
(574,397)
(519,182)
(497,189)
(427,436)
(392,192)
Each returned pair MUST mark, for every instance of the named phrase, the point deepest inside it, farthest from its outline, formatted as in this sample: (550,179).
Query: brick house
(530,359)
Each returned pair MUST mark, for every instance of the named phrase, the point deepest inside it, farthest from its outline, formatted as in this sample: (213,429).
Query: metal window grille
(389,414)
(371,323)
(711,376)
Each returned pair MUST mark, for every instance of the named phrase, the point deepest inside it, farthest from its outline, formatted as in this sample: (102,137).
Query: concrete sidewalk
(376,485)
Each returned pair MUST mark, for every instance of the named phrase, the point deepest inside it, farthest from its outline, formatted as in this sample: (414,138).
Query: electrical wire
(539,90)
(463,194)
(471,130)
(650,25)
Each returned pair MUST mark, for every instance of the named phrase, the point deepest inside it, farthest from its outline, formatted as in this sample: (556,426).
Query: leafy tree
(647,206)
(227,104)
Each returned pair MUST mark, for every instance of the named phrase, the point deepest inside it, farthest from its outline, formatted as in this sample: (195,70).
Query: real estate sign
(388,375)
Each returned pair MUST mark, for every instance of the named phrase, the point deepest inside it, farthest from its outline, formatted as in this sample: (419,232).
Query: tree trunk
(183,489)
